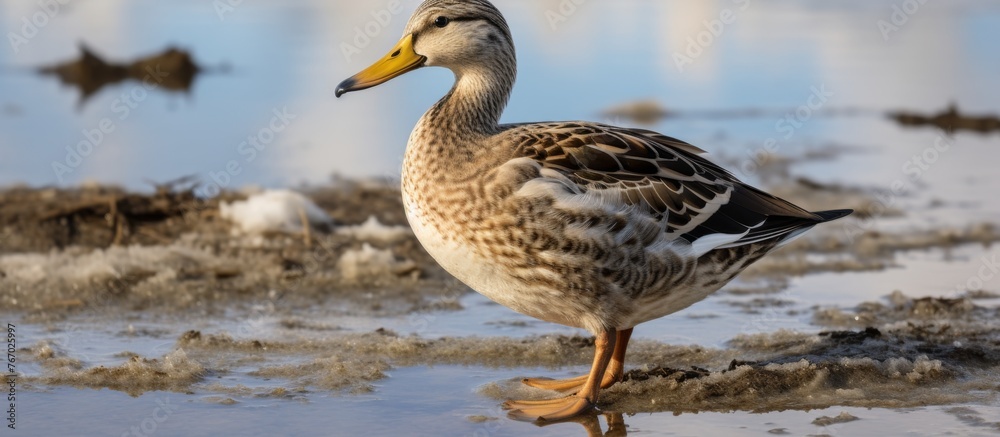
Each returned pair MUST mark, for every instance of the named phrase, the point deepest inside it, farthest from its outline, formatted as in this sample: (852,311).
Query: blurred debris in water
(649,112)
(949,120)
(642,112)
(173,69)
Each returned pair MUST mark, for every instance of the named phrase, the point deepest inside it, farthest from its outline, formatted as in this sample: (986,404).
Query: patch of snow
(374,230)
(78,265)
(368,263)
(274,211)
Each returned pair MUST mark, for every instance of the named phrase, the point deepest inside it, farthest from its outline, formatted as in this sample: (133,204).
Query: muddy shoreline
(166,262)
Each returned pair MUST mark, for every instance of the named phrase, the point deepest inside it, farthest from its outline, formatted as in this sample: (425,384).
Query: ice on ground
(373,230)
(84,265)
(330,373)
(934,314)
(188,259)
(286,299)
(854,247)
(803,384)
(369,264)
(549,351)
(908,356)
(51,356)
(203,272)
(174,372)
(220,342)
(95,278)
(796,372)
(843,417)
(861,239)
(925,351)
(274,211)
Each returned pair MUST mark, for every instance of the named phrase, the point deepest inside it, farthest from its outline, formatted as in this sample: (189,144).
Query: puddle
(221,317)
(938,351)
(61,411)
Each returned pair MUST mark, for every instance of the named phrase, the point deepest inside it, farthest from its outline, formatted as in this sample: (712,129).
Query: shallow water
(289,55)
(386,414)
(257,369)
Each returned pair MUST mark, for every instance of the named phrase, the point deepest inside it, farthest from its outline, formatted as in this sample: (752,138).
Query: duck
(582,224)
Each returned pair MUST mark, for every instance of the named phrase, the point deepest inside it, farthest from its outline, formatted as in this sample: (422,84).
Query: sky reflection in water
(289,56)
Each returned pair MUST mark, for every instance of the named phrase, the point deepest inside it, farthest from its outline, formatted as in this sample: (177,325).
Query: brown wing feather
(663,176)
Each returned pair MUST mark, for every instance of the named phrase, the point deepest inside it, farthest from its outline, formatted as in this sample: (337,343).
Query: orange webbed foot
(548,410)
(566,386)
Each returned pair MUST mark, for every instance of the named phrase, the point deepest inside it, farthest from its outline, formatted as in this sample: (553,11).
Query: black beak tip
(345,87)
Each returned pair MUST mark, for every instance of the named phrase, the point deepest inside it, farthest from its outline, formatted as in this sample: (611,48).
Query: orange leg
(583,400)
(614,373)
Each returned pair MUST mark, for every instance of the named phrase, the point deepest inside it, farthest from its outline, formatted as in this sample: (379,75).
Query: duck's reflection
(592,424)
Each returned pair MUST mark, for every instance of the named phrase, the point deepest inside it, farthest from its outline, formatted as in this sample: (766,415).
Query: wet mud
(84,250)
(913,352)
(911,359)
(169,261)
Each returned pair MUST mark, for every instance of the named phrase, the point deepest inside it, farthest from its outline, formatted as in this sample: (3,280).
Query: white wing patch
(709,242)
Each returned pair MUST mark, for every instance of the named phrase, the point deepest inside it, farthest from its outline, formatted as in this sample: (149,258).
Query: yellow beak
(400,60)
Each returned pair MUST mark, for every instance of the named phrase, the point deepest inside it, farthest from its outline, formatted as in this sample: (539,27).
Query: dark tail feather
(833,215)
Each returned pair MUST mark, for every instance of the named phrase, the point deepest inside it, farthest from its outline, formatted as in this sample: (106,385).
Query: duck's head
(462,35)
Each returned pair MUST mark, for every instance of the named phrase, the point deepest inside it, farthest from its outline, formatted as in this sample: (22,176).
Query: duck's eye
(441,21)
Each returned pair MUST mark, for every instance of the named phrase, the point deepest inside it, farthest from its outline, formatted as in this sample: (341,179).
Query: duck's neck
(457,129)
(473,107)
